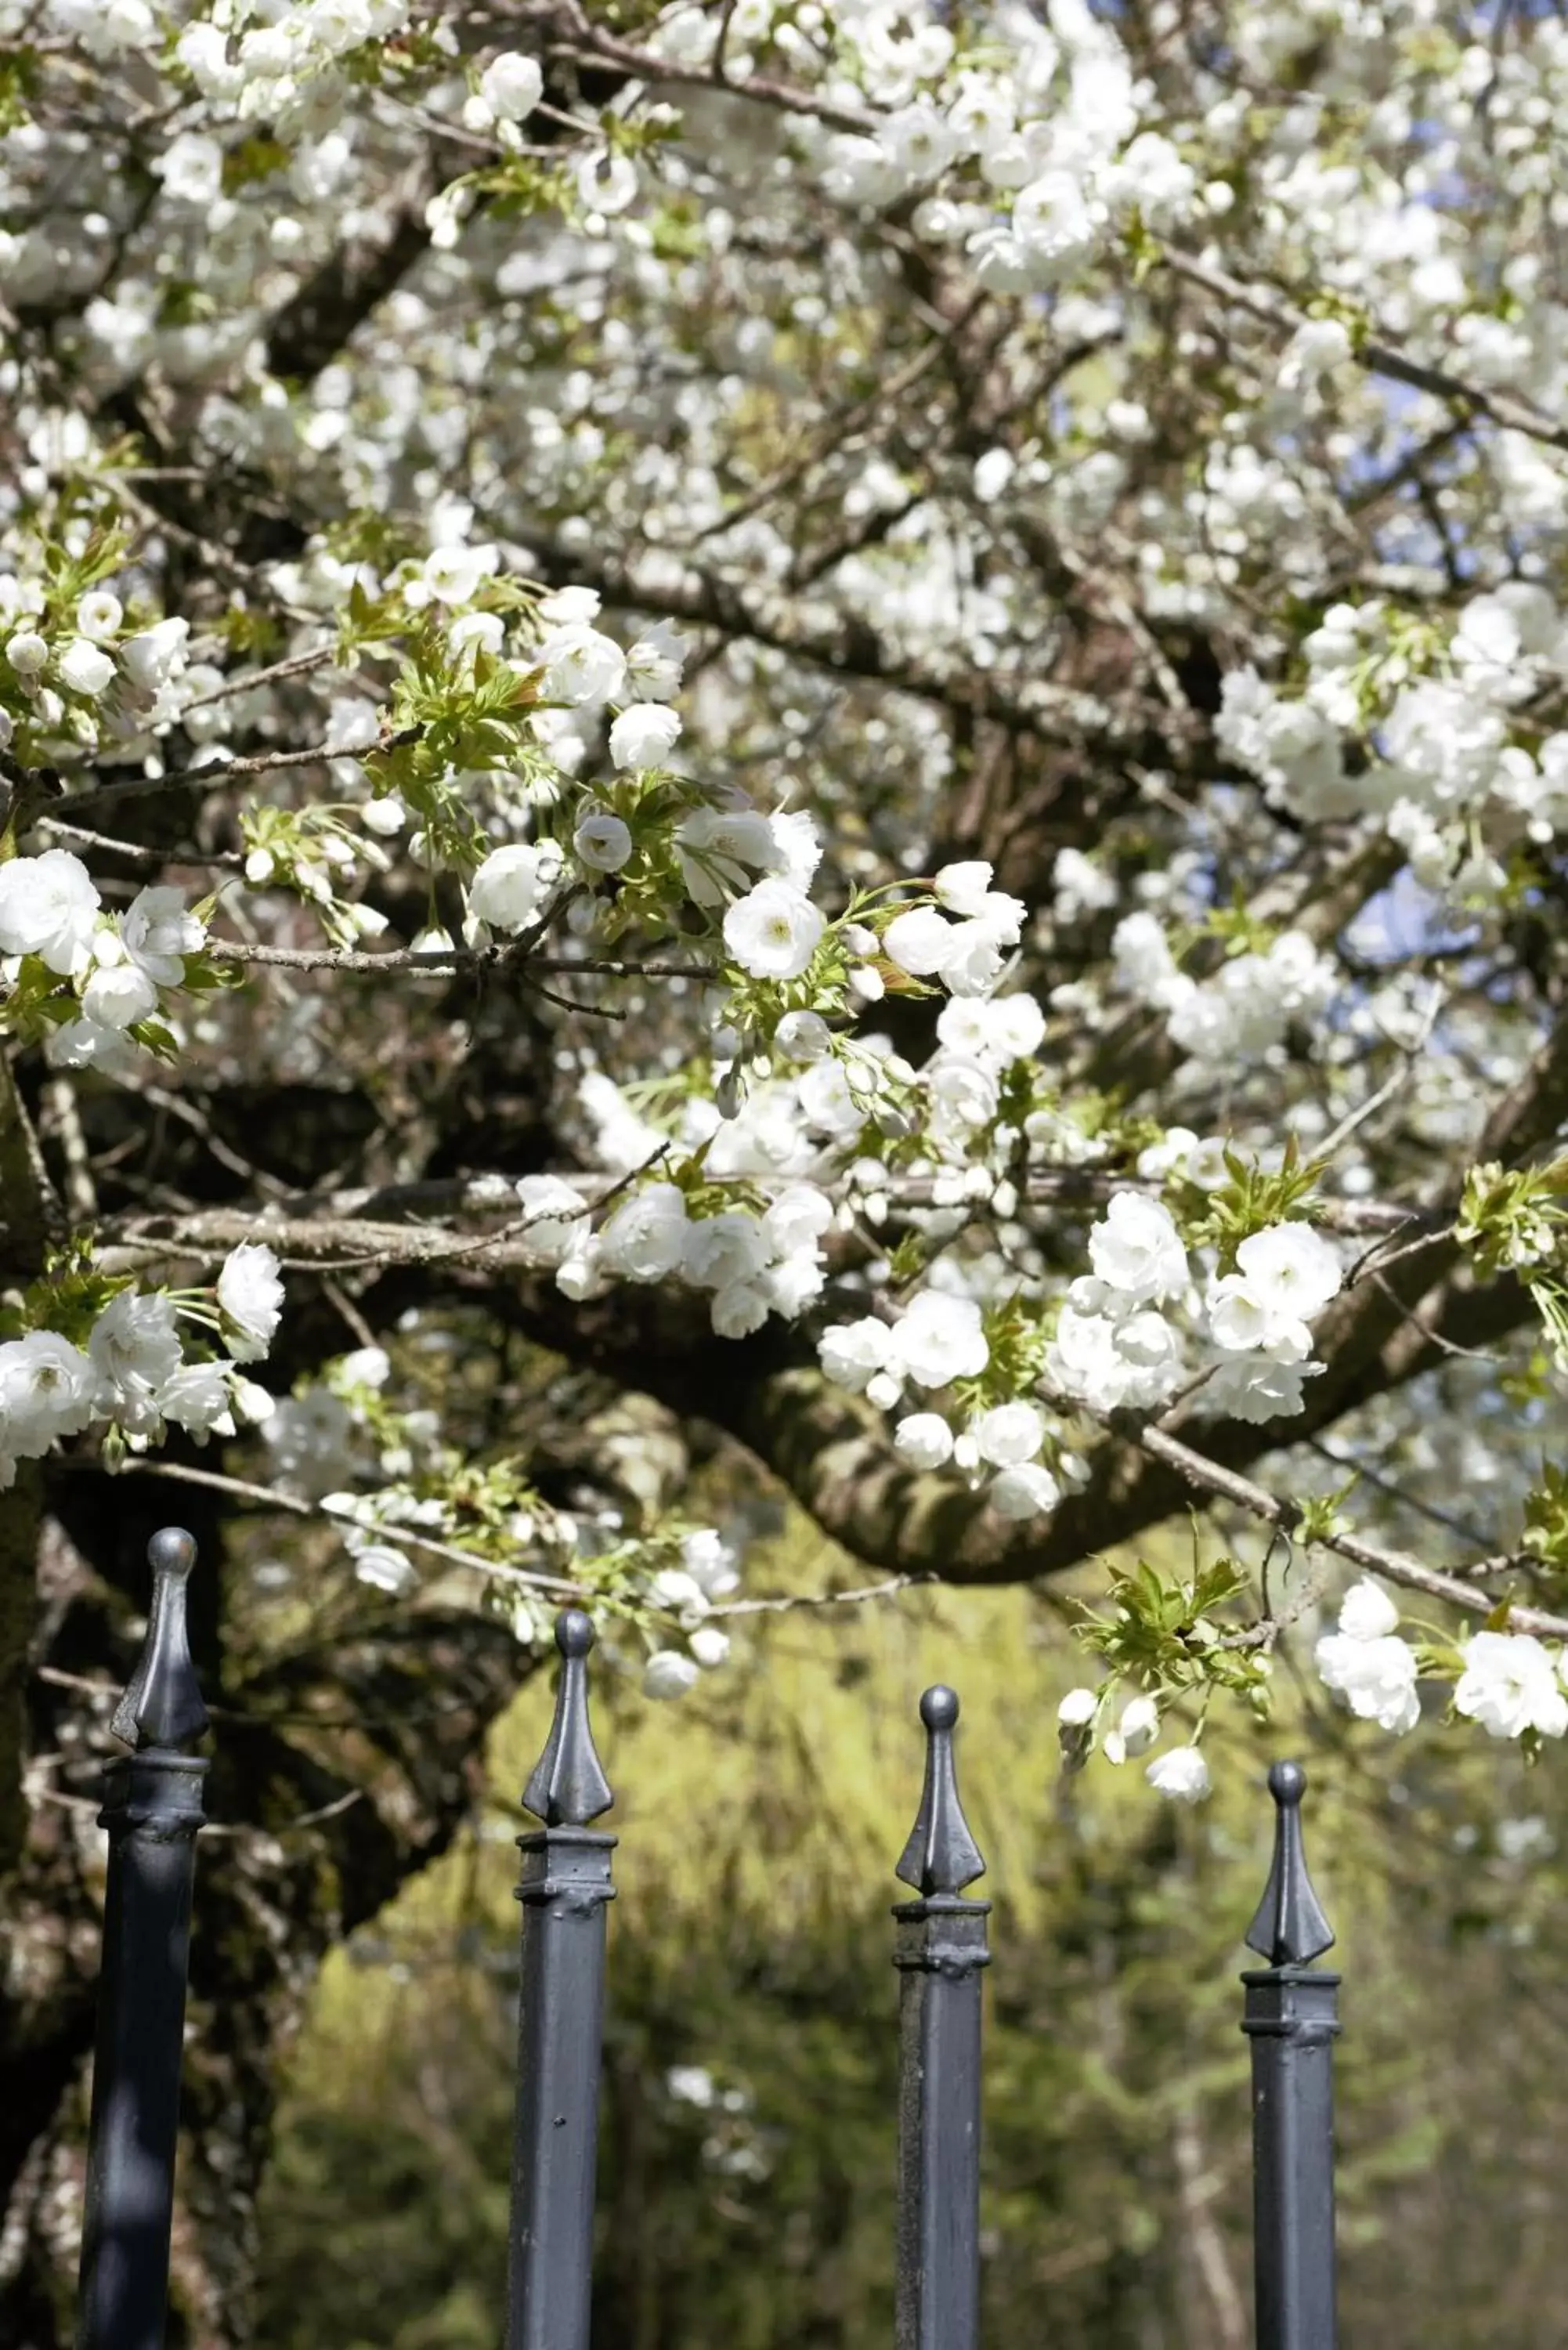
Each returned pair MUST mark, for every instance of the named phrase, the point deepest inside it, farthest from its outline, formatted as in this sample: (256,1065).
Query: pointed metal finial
(1290,1928)
(162,1704)
(568,1787)
(941,1856)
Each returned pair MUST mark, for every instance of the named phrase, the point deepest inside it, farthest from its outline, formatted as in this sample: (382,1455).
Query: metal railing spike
(940,1953)
(563,1889)
(152,1810)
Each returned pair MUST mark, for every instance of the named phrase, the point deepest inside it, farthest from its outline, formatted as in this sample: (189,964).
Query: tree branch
(1378,356)
(436,963)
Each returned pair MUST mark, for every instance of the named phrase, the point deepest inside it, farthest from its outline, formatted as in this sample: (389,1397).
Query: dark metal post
(565,1886)
(152,1812)
(1291,2018)
(939,1953)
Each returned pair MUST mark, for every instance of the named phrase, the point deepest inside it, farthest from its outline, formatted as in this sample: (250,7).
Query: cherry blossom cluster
(1461,771)
(386,1481)
(93,978)
(1181,1773)
(132,1376)
(409,1508)
(78,678)
(1240,1010)
(1511,1683)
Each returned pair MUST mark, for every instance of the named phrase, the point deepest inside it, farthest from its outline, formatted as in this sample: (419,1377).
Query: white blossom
(192,170)
(158,930)
(741,1307)
(725,1248)
(116,995)
(645,1238)
(155,655)
(602,841)
(1375,1675)
(48,907)
(382,1566)
(1292,1269)
(852,1353)
(1367,1612)
(938,1338)
(581,666)
(250,1293)
(720,850)
(1317,348)
(512,86)
(919,941)
(554,1218)
(963,888)
(655,661)
(512,886)
(711,1562)
(1135,1732)
(453,575)
(198,1397)
(924,1440)
(1136,1251)
(773,930)
(1009,1433)
(135,1348)
(27,652)
(98,616)
(1510,1685)
(86,668)
(1181,1772)
(1256,1388)
(797,1218)
(1027,1490)
(644,735)
(47,1390)
(669,1673)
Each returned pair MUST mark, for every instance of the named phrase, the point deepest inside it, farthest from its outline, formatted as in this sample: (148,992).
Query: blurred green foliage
(748,2095)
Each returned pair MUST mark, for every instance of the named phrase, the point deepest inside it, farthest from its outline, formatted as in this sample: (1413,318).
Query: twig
(601,49)
(296,665)
(839,430)
(203,779)
(1392,1493)
(396,1537)
(436,963)
(78,837)
(1409,1054)
(1208,1476)
(785,1603)
(1375,356)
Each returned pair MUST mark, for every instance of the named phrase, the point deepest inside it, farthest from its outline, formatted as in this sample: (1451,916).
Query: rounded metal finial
(568,1787)
(163,1705)
(941,1855)
(1290,1928)
(575,1634)
(940,1707)
(172,1551)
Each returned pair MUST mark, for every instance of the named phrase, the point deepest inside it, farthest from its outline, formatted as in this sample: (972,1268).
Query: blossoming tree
(858,714)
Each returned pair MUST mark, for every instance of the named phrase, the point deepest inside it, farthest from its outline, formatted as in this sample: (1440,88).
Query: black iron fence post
(1291,2018)
(566,1883)
(940,1950)
(152,1812)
